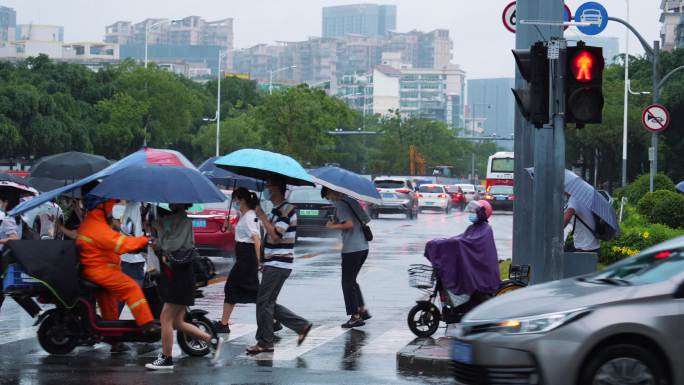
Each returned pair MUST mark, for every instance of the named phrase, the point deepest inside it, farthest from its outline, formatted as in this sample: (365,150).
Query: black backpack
(603,231)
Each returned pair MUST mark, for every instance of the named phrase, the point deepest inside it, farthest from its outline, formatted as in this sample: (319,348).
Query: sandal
(303,334)
(256,349)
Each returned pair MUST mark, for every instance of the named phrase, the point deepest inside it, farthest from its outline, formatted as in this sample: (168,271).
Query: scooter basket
(421,276)
(16,280)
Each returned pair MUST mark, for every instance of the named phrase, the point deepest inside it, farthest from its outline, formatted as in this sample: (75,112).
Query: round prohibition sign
(509,17)
(656,118)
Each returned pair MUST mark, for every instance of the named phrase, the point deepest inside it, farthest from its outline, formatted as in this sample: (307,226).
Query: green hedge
(663,206)
(634,239)
(637,189)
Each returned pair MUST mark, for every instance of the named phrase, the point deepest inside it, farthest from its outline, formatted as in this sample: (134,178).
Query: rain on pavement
(365,355)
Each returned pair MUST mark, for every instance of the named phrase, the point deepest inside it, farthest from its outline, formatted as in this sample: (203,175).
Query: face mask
(472,217)
(118,211)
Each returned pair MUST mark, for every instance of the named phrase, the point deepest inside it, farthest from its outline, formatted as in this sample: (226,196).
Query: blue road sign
(594,13)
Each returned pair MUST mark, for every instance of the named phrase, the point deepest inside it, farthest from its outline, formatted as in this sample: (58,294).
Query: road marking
(236,331)
(388,343)
(289,350)
(17,335)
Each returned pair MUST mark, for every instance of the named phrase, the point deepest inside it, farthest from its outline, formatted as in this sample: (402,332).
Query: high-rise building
(359,19)
(8,23)
(490,108)
(672,19)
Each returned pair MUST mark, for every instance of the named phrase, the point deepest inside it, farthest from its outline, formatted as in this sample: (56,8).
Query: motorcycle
(71,323)
(424,318)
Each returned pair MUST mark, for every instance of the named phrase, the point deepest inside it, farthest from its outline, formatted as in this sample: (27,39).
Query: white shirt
(247,227)
(583,237)
(131,224)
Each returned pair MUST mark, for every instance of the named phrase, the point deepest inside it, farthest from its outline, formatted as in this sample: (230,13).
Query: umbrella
(585,193)
(70,165)
(143,156)
(264,165)
(680,187)
(154,183)
(346,182)
(20,185)
(227,178)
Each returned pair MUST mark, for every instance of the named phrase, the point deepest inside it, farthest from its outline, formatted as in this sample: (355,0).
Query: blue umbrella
(585,194)
(346,182)
(680,187)
(154,183)
(226,178)
(264,165)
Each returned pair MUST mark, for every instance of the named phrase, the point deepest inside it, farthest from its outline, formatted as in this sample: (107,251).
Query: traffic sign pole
(656,94)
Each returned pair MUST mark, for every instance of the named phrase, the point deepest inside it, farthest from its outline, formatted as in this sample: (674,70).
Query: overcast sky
(481,44)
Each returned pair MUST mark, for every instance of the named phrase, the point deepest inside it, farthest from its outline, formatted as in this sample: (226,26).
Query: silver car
(623,325)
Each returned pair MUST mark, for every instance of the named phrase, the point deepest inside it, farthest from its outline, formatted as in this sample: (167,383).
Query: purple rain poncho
(466,263)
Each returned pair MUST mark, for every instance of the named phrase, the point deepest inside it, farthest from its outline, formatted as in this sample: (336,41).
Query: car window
(501,190)
(431,189)
(467,187)
(503,165)
(389,183)
(645,269)
(223,206)
(308,195)
(452,189)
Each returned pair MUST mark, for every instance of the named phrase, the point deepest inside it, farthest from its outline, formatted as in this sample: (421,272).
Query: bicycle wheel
(423,319)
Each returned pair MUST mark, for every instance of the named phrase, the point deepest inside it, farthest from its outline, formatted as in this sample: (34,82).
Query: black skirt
(178,284)
(243,280)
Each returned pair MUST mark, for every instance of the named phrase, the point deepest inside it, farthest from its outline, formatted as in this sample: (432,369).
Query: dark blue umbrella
(229,179)
(680,187)
(164,184)
(346,182)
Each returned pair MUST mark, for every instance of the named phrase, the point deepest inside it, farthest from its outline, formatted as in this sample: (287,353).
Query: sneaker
(215,345)
(353,323)
(118,348)
(161,363)
(221,328)
(365,315)
(277,326)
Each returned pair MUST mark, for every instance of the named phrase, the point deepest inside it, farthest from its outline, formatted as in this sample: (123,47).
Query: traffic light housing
(584,85)
(533,99)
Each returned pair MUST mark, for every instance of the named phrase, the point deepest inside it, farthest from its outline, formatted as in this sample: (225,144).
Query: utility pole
(653,154)
(625,116)
(218,104)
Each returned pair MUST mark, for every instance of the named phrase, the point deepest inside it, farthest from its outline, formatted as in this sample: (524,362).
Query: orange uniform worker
(101,248)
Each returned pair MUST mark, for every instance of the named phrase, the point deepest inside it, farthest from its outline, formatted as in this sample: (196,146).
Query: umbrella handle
(224,228)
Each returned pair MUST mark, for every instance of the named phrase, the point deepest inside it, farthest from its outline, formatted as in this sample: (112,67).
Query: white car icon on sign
(592,16)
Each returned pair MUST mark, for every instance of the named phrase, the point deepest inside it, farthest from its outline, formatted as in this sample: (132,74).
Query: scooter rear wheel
(190,345)
(55,336)
(423,319)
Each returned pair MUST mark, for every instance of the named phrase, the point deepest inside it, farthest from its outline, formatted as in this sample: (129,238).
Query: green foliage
(668,210)
(236,133)
(634,239)
(637,189)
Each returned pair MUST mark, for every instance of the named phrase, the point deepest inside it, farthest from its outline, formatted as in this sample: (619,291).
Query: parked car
(398,197)
(469,191)
(207,224)
(622,325)
(501,197)
(434,197)
(313,212)
(457,197)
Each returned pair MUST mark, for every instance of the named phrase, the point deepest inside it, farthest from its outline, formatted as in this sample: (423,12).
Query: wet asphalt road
(366,355)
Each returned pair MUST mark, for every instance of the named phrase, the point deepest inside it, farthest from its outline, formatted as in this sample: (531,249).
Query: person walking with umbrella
(281,232)
(583,237)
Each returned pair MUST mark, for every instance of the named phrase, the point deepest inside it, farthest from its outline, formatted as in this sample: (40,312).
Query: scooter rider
(101,247)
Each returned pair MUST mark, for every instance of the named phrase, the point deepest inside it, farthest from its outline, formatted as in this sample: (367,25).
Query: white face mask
(118,211)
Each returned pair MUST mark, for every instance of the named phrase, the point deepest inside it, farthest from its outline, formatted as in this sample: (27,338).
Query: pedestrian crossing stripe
(289,350)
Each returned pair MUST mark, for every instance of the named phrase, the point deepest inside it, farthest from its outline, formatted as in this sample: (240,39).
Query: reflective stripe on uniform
(85,239)
(137,303)
(119,242)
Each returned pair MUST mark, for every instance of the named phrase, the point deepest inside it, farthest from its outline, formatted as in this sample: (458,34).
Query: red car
(458,199)
(207,224)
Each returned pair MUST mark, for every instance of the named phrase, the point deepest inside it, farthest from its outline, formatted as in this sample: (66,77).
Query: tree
(236,133)
(121,125)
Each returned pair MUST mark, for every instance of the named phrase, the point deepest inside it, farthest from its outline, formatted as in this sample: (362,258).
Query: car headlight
(539,324)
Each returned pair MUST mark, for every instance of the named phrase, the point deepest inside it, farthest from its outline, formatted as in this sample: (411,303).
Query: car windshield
(643,269)
(431,189)
(467,187)
(501,190)
(308,195)
(453,189)
(389,184)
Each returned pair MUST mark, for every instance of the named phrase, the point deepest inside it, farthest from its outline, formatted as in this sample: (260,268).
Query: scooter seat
(90,285)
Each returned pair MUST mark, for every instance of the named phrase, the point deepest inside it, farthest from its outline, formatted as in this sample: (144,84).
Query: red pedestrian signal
(583,65)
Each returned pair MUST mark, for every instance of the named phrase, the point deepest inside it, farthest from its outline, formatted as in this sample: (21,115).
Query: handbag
(182,256)
(367,233)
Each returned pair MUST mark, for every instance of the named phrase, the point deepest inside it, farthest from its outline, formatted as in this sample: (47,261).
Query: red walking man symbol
(583,64)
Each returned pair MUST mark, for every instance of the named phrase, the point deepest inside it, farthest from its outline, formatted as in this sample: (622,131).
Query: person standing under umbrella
(243,280)
(583,229)
(281,232)
(348,218)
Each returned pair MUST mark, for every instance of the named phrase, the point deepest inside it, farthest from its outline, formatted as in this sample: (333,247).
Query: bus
(500,169)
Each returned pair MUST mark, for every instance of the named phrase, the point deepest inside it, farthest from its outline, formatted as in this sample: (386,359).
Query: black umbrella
(70,166)
(19,184)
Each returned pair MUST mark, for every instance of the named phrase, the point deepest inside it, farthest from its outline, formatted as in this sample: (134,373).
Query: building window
(409,94)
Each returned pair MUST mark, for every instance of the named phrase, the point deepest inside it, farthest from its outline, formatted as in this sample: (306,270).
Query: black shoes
(161,363)
(221,328)
(353,323)
(277,326)
(118,348)
(365,315)
(151,328)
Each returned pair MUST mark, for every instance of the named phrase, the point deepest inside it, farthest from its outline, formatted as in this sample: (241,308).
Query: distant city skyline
(481,44)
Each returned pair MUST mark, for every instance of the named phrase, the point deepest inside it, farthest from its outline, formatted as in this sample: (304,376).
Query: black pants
(351,265)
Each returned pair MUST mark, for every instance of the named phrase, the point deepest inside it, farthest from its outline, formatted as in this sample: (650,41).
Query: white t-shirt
(247,227)
(583,237)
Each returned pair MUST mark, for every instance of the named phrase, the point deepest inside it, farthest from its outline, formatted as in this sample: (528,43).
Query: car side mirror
(679,293)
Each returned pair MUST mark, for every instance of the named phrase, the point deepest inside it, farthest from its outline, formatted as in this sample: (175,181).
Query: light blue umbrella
(586,195)
(264,165)
(680,187)
(346,182)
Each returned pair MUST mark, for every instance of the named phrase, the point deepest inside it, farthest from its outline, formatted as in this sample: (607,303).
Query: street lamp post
(148,27)
(273,72)
(626,107)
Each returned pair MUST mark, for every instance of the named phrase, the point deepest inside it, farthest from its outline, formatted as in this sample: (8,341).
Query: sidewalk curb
(426,355)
